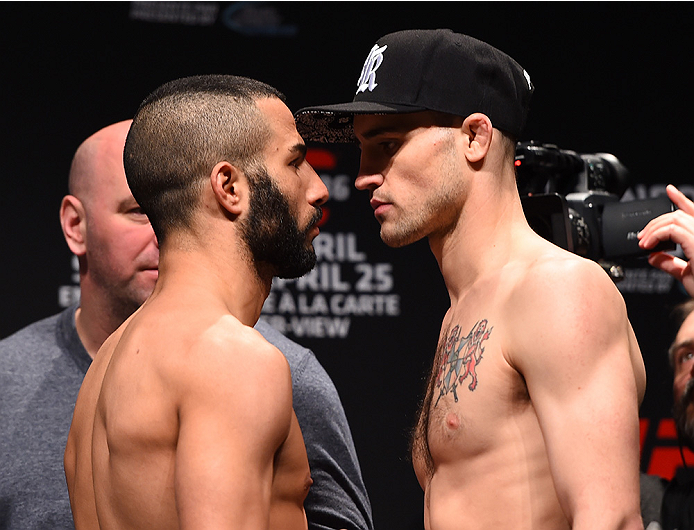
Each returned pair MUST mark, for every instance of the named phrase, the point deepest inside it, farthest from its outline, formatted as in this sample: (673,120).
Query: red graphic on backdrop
(321,158)
(660,451)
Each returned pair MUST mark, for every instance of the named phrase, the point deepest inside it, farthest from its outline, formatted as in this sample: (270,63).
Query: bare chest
(473,397)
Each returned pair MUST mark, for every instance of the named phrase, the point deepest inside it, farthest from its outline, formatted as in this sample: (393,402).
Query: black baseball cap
(417,70)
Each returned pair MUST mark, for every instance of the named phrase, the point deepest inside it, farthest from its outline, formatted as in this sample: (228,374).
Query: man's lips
(319,219)
(314,231)
(379,207)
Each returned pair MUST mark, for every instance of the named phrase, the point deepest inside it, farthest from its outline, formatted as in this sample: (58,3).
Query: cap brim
(333,123)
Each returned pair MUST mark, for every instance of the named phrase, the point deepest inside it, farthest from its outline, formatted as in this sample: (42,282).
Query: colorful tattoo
(460,359)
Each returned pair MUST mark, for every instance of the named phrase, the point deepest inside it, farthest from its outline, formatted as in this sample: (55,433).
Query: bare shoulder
(228,335)
(559,278)
(230,355)
(565,303)
(230,371)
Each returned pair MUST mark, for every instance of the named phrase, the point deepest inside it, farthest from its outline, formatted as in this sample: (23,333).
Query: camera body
(573,200)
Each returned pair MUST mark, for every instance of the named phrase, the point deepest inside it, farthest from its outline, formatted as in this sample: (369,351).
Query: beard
(271,232)
(685,424)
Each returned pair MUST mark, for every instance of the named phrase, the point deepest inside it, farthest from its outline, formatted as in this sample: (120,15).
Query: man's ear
(73,220)
(229,186)
(479,129)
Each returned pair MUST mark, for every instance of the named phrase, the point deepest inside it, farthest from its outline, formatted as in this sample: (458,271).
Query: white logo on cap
(527,78)
(367,79)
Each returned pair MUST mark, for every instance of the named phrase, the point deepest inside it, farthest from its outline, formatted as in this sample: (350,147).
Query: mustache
(315,219)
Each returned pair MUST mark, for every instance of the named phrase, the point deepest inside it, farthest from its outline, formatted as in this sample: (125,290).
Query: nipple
(452,421)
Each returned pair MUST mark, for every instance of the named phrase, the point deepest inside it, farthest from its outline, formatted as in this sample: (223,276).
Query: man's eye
(389,146)
(686,356)
(137,213)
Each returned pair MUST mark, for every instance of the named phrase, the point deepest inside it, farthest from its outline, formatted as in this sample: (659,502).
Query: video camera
(573,200)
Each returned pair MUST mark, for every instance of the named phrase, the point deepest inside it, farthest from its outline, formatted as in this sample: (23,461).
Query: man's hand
(677,226)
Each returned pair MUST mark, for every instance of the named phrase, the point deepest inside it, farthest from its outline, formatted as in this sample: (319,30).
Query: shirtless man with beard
(185,419)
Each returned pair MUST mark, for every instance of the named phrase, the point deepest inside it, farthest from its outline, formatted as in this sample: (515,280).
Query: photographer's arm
(677,226)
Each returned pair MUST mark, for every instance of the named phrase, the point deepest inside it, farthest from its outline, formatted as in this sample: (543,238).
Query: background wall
(610,77)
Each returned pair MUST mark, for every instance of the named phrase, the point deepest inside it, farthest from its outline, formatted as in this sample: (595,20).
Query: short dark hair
(180,131)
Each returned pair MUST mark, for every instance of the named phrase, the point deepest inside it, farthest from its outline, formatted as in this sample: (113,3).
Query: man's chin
(396,240)
(145,282)
(298,268)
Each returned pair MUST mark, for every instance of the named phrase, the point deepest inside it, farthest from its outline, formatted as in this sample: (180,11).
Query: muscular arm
(234,414)
(585,377)
(338,498)
(677,226)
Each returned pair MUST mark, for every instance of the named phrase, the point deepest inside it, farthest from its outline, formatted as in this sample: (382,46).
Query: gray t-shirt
(41,371)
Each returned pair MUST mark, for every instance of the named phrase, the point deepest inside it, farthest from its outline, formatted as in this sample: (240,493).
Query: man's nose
(368,180)
(370,175)
(154,237)
(318,192)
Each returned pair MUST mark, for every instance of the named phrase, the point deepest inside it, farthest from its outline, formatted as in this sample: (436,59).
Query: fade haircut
(181,131)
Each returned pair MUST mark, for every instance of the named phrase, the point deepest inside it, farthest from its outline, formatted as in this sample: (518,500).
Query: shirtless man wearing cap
(530,415)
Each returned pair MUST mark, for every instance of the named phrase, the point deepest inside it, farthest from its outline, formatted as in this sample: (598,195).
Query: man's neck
(483,240)
(233,283)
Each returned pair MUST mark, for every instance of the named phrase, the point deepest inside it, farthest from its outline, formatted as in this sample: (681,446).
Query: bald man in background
(43,364)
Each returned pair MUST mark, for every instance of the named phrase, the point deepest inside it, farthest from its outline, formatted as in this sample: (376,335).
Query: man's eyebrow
(299,149)
(388,129)
(402,128)
(128,203)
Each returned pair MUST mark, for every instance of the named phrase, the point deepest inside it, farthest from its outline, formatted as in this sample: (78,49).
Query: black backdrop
(610,77)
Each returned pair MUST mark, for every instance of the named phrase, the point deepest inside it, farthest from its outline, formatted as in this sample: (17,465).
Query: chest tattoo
(460,358)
